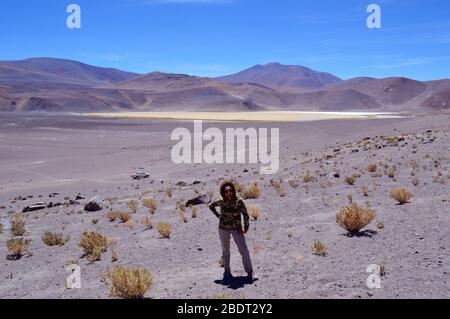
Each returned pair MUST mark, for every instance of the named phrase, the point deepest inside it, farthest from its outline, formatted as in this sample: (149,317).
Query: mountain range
(47,84)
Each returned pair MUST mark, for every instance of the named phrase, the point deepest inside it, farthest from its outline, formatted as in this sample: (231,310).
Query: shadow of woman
(236,283)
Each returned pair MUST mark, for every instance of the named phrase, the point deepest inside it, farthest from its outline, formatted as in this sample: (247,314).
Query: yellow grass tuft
(151,204)
(164,229)
(130,283)
(254,212)
(194,211)
(93,244)
(124,217)
(130,224)
(181,206)
(354,218)
(1,228)
(308,178)
(319,248)
(350,180)
(365,191)
(372,168)
(17,247)
(18,225)
(183,217)
(133,206)
(55,239)
(391,173)
(113,216)
(254,192)
(168,192)
(294,183)
(147,222)
(401,195)
(239,188)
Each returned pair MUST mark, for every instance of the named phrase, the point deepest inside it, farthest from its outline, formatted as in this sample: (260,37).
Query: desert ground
(62,156)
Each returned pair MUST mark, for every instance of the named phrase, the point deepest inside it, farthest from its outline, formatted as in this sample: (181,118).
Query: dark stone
(93,205)
(34,207)
(182,184)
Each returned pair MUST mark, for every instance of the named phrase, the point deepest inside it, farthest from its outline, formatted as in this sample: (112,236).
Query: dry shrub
(1,228)
(254,212)
(183,217)
(164,229)
(133,206)
(130,224)
(181,206)
(55,239)
(18,225)
(113,216)
(168,192)
(294,183)
(194,211)
(147,222)
(130,283)
(365,191)
(380,225)
(354,218)
(93,244)
(350,180)
(151,204)
(401,195)
(350,198)
(253,192)
(308,178)
(391,173)
(372,168)
(17,247)
(319,248)
(415,182)
(239,188)
(124,217)
(95,221)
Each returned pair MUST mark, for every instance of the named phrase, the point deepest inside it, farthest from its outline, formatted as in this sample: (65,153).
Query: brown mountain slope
(286,78)
(60,71)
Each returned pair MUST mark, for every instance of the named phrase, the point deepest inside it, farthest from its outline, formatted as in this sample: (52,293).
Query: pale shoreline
(268,116)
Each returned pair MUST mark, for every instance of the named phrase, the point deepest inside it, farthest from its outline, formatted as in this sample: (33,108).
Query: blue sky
(218,37)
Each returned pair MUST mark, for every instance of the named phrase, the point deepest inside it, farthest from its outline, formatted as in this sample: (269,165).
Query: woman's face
(228,193)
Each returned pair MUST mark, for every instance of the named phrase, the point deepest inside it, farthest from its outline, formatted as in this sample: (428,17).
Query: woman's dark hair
(224,186)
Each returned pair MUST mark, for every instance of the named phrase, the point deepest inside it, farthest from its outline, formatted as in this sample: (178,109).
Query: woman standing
(230,225)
